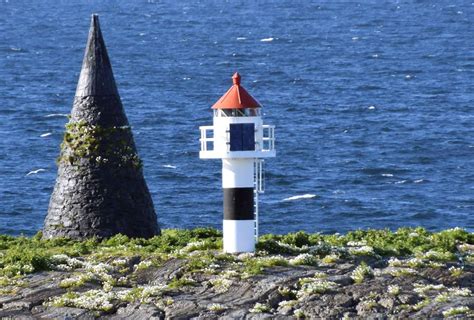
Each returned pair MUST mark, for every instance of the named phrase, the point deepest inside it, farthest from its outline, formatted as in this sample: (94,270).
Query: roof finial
(236,78)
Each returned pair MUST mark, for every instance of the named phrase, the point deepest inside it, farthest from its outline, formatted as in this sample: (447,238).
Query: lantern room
(237,130)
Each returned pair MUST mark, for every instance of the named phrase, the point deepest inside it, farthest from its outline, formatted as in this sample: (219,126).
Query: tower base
(239,236)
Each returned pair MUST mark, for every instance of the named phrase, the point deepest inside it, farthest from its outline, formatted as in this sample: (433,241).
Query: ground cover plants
(403,272)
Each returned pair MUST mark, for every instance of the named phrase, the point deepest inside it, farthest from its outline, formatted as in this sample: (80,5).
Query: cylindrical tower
(240,139)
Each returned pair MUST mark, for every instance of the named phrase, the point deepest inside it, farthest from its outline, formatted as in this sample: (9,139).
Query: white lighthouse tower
(239,137)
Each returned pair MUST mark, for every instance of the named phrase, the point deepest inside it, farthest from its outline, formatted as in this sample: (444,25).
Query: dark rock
(65,313)
(183,309)
(100,189)
(344,300)
(342,280)
(274,298)
(408,298)
(139,312)
(367,300)
(387,303)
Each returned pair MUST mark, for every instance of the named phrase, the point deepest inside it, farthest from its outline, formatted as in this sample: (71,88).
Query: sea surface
(373,103)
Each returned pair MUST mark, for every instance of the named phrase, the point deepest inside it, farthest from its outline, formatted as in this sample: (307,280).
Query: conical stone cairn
(100,189)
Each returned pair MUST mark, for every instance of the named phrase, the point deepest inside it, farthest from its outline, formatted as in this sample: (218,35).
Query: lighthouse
(239,137)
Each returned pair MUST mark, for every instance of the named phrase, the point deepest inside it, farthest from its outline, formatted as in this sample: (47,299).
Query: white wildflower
(423,289)
(361,272)
(145,264)
(259,308)
(311,286)
(304,259)
(455,311)
(357,243)
(221,284)
(245,256)
(216,307)
(394,290)
(364,250)
(456,272)
(460,292)
(287,304)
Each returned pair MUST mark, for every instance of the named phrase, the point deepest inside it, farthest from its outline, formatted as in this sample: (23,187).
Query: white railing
(255,214)
(259,182)
(268,140)
(259,187)
(264,147)
(205,139)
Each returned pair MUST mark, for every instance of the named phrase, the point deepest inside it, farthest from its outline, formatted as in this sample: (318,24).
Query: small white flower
(216,307)
(394,290)
(304,259)
(259,308)
(455,311)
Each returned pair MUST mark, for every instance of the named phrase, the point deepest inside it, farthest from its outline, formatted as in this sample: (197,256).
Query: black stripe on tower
(238,204)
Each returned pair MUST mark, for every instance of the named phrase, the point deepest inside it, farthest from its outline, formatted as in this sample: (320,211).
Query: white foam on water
(355,38)
(387,175)
(241,38)
(267,39)
(299,197)
(35,171)
(47,134)
(51,115)
(400,182)
(418,181)
(169,166)
(371,108)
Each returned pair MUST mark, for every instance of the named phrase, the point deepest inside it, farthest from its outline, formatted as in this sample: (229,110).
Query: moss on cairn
(98,145)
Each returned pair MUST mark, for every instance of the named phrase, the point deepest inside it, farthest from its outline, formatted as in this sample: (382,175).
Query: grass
(201,246)
(23,255)
(112,266)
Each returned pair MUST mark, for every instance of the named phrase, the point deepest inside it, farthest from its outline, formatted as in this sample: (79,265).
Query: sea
(373,103)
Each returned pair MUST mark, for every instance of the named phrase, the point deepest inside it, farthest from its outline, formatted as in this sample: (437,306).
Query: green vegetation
(260,308)
(403,242)
(23,255)
(362,272)
(103,274)
(457,311)
(98,145)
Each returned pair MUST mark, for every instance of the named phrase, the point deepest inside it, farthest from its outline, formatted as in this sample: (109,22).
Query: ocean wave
(299,197)
(400,182)
(56,115)
(267,39)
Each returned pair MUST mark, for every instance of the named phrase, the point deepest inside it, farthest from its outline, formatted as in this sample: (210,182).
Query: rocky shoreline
(182,274)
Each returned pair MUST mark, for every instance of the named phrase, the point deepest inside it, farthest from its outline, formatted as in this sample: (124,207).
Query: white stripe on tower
(238,187)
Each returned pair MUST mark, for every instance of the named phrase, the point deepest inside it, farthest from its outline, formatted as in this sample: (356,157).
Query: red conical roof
(236,97)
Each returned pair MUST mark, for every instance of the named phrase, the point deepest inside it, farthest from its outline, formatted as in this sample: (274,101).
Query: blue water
(373,103)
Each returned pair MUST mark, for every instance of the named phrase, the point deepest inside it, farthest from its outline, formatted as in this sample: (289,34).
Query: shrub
(362,272)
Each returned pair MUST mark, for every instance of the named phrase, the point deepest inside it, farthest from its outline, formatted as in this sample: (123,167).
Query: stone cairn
(100,189)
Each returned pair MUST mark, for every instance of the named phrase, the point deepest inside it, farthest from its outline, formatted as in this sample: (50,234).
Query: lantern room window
(248,112)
